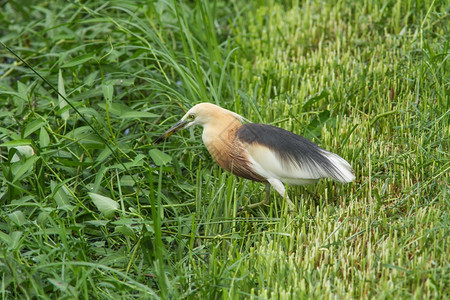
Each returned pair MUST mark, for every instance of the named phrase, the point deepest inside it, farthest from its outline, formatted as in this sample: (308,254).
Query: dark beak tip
(159,140)
(179,125)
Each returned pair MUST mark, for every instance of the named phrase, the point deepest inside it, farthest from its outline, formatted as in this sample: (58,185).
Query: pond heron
(261,152)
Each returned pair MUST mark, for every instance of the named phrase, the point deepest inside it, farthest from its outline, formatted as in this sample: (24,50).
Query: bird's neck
(221,130)
(218,139)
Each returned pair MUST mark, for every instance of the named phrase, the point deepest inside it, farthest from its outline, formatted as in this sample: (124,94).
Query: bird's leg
(290,203)
(264,202)
(279,187)
(267,186)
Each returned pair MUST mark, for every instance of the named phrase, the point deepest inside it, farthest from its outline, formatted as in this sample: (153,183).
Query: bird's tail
(343,171)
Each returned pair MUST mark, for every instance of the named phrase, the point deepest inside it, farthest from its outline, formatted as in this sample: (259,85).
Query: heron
(261,152)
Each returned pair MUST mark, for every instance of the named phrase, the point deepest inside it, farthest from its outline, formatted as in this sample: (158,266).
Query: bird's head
(201,114)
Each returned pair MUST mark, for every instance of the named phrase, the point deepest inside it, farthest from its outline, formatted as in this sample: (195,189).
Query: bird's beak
(179,125)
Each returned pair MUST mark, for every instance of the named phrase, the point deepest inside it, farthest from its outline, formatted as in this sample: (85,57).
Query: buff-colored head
(204,114)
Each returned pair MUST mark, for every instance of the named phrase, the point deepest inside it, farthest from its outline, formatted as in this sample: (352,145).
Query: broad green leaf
(126,180)
(16,236)
(108,89)
(103,155)
(137,115)
(98,222)
(105,205)
(59,284)
(115,108)
(138,160)
(126,231)
(5,238)
(42,218)
(22,88)
(44,138)
(62,91)
(33,126)
(18,218)
(22,151)
(61,199)
(5,114)
(127,221)
(123,81)
(99,177)
(89,80)
(26,150)
(79,60)
(159,157)
(22,168)
(16,143)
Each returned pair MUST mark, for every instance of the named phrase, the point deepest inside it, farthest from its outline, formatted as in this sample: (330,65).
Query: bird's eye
(192,117)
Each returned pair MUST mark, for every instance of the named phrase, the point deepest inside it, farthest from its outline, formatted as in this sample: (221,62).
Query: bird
(261,152)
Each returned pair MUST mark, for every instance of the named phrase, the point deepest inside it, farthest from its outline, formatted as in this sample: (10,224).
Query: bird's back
(290,157)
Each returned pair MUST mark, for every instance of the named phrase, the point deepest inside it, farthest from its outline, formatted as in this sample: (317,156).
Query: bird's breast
(220,146)
(230,153)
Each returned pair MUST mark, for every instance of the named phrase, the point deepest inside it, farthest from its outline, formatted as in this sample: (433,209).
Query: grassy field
(91,208)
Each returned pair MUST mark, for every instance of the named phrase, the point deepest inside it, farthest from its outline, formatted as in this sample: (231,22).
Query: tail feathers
(342,171)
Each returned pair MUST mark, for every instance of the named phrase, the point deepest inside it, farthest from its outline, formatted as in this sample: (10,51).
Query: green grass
(98,211)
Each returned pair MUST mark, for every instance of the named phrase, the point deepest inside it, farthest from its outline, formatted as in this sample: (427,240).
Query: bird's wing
(277,153)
